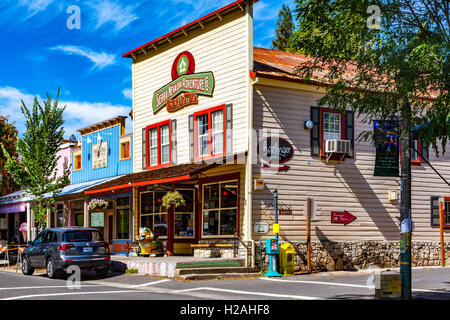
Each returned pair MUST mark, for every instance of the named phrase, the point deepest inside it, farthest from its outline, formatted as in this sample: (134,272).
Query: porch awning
(162,175)
(82,186)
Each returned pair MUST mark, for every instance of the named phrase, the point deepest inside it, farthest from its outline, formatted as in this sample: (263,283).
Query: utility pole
(405,206)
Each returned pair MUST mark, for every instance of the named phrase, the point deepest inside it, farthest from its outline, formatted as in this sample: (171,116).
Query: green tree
(283,34)
(381,59)
(36,169)
(8,136)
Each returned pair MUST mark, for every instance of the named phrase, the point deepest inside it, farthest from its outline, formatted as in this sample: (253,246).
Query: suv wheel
(26,267)
(52,272)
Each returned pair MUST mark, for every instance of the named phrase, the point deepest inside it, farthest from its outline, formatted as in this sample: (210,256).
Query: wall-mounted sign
(260,227)
(100,155)
(274,152)
(97,219)
(342,217)
(185,86)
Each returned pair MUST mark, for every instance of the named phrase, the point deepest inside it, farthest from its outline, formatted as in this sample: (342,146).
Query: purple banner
(17,207)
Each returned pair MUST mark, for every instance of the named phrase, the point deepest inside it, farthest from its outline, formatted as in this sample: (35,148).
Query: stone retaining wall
(355,255)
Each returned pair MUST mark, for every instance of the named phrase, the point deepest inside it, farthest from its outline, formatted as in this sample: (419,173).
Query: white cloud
(35,6)
(107,11)
(100,59)
(78,114)
(127,93)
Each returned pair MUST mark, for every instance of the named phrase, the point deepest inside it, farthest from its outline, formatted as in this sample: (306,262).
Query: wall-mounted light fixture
(308,124)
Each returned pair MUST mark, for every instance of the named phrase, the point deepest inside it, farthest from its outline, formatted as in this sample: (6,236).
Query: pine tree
(285,29)
(35,170)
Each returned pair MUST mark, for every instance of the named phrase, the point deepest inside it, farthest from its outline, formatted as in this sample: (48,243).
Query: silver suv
(57,248)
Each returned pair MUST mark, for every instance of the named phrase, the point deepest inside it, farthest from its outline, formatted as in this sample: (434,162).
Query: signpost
(344,217)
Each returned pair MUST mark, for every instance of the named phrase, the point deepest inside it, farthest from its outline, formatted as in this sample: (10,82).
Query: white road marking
(69,293)
(147,284)
(249,293)
(45,287)
(325,283)
(345,285)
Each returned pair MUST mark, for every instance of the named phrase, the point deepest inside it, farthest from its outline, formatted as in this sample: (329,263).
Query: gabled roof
(190,26)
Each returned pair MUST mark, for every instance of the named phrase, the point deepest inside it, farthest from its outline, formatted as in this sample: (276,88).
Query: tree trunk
(405,207)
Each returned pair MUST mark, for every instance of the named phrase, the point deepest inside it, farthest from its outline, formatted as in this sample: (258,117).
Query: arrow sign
(342,217)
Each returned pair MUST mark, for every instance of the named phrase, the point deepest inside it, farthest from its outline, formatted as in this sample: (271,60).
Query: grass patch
(132,271)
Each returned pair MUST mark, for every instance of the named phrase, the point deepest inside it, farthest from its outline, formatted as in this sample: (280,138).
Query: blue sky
(40,53)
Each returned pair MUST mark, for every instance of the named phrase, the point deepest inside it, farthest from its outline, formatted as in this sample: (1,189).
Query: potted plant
(172,198)
(97,205)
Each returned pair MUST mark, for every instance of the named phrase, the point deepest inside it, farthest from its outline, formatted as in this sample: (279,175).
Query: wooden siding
(336,186)
(114,166)
(222,47)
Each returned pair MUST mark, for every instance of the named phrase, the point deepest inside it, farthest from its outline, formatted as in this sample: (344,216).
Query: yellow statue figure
(148,242)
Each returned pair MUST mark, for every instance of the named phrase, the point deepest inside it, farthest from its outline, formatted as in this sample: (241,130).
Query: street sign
(342,217)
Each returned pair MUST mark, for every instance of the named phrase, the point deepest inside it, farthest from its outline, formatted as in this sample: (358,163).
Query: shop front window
(153,215)
(184,215)
(123,223)
(78,219)
(220,204)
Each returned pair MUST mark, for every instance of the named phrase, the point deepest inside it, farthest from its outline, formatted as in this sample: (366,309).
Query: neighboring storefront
(14,209)
(202,95)
(103,153)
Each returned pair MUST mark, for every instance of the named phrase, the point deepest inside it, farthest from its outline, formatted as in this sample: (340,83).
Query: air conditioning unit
(337,146)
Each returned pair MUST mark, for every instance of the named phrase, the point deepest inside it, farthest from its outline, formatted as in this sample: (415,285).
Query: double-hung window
(209,128)
(159,151)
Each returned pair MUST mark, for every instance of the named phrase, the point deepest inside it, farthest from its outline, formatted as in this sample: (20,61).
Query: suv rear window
(82,236)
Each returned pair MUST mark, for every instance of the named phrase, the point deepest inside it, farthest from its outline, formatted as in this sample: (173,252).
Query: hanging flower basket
(172,198)
(97,204)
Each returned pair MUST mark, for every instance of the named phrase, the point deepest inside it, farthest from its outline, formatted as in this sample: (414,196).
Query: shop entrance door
(109,228)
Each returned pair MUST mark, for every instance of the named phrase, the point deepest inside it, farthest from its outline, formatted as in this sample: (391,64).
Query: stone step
(211,263)
(215,270)
(218,276)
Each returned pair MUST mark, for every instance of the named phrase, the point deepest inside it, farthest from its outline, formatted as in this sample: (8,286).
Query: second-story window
(159,152)
(209,128)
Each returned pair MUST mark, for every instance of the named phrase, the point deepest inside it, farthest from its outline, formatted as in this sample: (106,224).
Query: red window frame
(196,146)
(417,162)
(158,126)
(322,126)
(445,225)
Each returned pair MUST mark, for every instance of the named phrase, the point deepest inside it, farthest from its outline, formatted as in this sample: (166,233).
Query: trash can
(387,285)
(287,254)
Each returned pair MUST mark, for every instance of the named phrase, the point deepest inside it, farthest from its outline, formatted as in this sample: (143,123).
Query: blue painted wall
(115,166)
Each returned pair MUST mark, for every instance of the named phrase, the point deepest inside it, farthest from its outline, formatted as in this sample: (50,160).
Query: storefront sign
(97,219)
(274,152)
(387,148)
(13,208)
(185,86)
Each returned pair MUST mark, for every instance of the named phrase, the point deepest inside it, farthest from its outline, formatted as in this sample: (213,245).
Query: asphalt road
(430,283)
